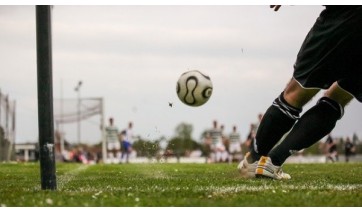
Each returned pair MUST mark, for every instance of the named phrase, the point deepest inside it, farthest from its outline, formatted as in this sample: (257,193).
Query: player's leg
(277,120)
(324,58)
(231,153)
(109,152)
(316,123)
(280,118)
(117,152)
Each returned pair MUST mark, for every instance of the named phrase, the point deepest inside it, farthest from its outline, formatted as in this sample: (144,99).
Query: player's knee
(334,105)
(297,96)
(338,94)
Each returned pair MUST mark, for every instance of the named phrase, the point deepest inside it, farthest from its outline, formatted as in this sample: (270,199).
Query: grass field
(195,185)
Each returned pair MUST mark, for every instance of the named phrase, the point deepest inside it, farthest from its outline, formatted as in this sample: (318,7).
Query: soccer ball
(194,88)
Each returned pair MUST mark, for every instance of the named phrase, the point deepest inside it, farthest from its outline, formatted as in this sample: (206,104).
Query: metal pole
(61,118)
(104,144)
(45,97)
(78,128)
(77,89)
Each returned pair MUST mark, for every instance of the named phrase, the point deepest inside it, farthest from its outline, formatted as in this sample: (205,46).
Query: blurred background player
(217,146)
(113,145)
(235,145)
(126,147)
(249,139)
(129,133)
(349,149)
(225,141)
(332,153)
(207,148)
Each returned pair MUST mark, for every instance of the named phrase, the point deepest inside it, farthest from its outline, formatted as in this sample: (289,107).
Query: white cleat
(247,170)
(266,168)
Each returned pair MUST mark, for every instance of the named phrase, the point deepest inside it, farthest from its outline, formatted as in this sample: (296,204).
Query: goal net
(70,111)
(74,110)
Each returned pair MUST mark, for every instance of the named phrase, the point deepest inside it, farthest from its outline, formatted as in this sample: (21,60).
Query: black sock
(277,120)
(316,123)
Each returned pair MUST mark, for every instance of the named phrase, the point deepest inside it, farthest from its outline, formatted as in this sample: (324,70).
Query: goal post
(45,97)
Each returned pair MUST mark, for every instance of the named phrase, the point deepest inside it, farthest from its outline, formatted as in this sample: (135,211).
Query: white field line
(280,188)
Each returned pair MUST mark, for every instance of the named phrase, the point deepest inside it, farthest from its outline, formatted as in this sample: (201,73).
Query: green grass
(180,185)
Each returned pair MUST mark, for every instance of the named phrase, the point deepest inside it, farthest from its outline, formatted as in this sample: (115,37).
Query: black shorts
(332,51)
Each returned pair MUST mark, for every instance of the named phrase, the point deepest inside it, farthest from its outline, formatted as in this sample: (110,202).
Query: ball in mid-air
(194,88)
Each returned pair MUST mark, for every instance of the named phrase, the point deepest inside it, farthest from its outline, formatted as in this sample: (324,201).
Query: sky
(132,56)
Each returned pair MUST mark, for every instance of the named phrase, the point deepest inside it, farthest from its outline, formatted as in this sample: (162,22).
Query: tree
(145,148)
(183,143)
(184,131)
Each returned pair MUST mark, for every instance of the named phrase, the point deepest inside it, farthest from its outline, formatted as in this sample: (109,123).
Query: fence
(7,128)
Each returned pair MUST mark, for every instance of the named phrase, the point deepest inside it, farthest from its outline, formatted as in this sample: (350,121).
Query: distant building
(27,152)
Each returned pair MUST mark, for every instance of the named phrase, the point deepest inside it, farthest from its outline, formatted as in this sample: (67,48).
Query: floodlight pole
(45,97)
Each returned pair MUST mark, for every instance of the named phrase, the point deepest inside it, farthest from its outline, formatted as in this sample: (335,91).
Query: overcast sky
(132,56)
